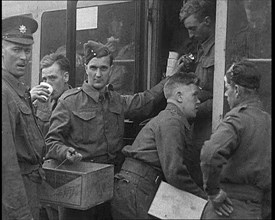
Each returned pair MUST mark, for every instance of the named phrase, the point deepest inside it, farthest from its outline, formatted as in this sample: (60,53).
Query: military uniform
(22,141)
(43,112)
(93,124)
(22,144)
(237,159)
(205,72)
(161,151)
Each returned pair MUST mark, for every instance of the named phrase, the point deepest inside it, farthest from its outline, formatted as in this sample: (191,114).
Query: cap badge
(92,51)
(22,29)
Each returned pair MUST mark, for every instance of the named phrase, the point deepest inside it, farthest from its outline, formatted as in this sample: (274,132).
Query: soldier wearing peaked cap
(19,29)
(90,121)
(22,141)
(236,161)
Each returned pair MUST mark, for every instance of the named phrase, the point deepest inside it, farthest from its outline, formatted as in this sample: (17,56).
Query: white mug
(50,88)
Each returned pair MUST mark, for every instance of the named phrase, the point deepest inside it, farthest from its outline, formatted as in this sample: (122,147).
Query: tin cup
(50,88)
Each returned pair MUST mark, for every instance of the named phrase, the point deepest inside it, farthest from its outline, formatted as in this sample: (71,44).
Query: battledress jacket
(239,151)
(93,124)
(165,143)
(22,144)
(43,112)
(205,72)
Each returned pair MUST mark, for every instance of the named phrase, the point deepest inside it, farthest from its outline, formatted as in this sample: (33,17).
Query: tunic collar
(19,87)
(253,102)
(95,94)
(208,44)
(174,108)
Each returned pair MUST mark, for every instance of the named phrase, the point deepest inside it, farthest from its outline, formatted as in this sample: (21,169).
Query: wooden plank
(219,67)
(173,203)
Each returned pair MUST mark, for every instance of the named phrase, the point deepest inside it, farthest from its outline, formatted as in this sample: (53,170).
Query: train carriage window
(249,37)
(115,28)
(112,23)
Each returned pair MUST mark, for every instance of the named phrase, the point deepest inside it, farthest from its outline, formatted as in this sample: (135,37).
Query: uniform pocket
(84,123)
(85,115)
(124,199)
(26,120)
(25,109)
(207,74)
(28,129)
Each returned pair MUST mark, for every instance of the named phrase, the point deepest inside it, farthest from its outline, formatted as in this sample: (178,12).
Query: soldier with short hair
(162,151)
(236,161)
(199,18)
(88,122)
(55,70)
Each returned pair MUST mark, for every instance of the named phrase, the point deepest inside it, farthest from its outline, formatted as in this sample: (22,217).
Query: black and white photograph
(136,109)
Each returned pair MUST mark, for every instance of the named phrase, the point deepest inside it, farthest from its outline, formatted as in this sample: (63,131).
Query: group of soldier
(231,168)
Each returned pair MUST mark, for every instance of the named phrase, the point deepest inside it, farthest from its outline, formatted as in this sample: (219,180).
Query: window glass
(115,27)
(53,31)
(112,24)
(249,37)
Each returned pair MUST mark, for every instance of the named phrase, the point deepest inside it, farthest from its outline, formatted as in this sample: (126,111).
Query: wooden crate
(80,185)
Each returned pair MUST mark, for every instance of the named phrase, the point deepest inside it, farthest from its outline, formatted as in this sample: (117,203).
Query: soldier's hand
(39,93)
(178,67)
(221,203)
(72,155)
(186,62)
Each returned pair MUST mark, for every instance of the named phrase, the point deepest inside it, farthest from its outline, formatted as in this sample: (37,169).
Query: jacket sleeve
(14,196)
(216,151)
(59,129)
(205,95)
(205,109)
(142,104)
(170,144)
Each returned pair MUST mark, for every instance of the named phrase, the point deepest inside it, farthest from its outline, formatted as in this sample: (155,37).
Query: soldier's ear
(66,77)
(178,96)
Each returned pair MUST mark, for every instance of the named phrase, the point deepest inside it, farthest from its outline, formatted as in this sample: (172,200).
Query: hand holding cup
(41,92)
(50,89)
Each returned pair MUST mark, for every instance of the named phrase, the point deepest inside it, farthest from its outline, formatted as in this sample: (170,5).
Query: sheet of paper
(173,203)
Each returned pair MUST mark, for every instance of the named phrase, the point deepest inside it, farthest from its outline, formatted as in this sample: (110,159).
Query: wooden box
(173,203)
(81,185)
